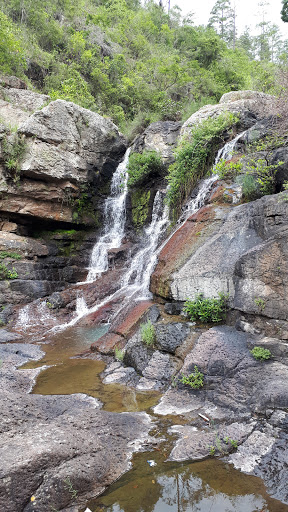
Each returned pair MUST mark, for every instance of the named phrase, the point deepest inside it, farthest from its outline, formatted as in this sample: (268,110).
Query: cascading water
(114,221)
(224,153)
(136,280)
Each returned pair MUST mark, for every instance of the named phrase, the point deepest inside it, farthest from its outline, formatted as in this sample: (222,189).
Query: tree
(246,42)
(11,51)
(284,11)
(222,19)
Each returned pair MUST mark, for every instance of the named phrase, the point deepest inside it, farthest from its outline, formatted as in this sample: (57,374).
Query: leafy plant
(7,254)
(232,442)
(261,354)
(207,310)
(148,335)
(5,273)
(13,151)
(227,169)
(212,450)
(195,379)
(192,158)
(260,303)
(144,165)
(119,354)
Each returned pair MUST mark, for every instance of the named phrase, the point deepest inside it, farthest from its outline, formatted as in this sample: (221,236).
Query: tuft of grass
(119,354)
(148,333)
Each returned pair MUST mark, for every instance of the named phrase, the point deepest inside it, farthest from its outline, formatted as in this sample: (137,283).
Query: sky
(246,11)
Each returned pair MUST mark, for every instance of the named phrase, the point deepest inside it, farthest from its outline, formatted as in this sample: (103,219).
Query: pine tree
(222,19)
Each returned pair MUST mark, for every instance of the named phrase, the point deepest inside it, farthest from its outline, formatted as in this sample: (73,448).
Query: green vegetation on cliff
(134,63)
(143,166)
(193,158)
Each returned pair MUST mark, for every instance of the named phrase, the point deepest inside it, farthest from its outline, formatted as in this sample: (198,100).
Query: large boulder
(162,137)
(69,142)
(247,105)
(239,250)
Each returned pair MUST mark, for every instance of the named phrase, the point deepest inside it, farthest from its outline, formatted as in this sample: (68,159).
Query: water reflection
(67,376)
(209,486)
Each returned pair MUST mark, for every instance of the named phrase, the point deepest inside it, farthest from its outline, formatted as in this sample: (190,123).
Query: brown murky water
(208,486)
(67,375)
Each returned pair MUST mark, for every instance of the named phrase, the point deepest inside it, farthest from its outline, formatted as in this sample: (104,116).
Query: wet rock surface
(241,408)
(240,251)
(53,445)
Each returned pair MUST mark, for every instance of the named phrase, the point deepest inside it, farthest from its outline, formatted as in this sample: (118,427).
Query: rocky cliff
(229,245)
(56,162)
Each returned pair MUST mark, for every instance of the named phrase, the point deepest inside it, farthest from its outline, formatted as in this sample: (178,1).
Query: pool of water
(67,375)
(207,486)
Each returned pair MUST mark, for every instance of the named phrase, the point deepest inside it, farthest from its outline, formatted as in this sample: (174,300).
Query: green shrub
(144,165)
(5,273)
(261,354)
(193,157)
(250,189)
(207,310)
(7,254)
(195,380)
(148,333)
(228,169)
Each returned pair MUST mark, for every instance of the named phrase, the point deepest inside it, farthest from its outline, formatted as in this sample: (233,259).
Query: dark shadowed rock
(137,354)
(170,336)
(173,308)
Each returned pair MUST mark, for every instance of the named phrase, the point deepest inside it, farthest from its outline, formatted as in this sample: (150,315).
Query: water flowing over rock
(114,221)
(219,244)
(67,159)
(231,250)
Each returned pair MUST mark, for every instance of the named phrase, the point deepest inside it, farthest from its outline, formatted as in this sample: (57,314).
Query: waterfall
(137,277)
(136,280)
(226,152)
(114,221)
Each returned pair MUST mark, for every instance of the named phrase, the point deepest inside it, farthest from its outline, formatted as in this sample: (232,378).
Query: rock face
(54,171)
(67,147)
(237,250)
(242,399)
(161,137)
(247,105)
(52,445)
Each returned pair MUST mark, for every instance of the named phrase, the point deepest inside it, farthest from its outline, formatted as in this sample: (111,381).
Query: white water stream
(136,280)
(114,221)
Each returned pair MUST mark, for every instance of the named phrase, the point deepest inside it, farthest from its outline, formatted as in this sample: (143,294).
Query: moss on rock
(140,207)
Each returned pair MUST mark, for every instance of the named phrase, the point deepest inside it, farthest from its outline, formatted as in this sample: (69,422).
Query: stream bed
(157,486)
